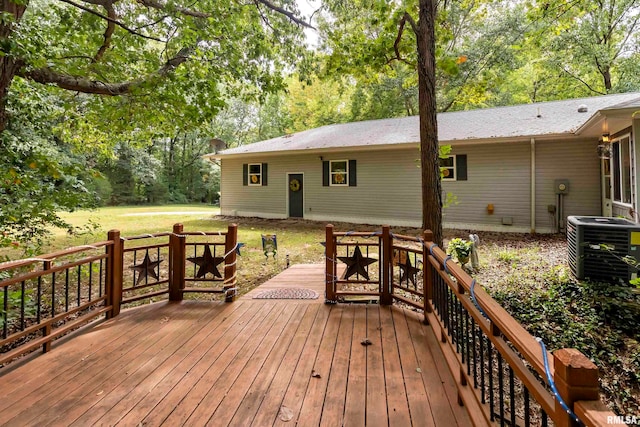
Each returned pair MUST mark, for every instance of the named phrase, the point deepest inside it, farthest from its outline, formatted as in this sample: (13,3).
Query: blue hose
(552,384)
(445,264)
(472,291)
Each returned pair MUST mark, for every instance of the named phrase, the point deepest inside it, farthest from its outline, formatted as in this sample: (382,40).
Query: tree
(166,57)
(429,152)
(85,76)
(364,36)
(591,42)
(39,175)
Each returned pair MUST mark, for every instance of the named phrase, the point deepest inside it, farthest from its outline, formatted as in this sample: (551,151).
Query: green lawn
(133,220)
(300,241)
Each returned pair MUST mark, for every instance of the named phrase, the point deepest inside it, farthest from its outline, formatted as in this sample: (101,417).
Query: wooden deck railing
(45,297)
(500,368)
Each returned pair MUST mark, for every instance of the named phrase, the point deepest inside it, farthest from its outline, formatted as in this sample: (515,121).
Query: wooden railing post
(330,288)
(230,244)
(177,245)
(387,266)
(576,378)
(427,273)
(113,277)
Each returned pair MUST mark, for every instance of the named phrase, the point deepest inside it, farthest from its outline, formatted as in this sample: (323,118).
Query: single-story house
(521,168)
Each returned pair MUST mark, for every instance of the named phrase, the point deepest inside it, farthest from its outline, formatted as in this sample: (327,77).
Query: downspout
(533,186)
(635,140)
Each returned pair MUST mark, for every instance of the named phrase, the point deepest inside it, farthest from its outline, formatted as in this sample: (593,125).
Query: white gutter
(533,185)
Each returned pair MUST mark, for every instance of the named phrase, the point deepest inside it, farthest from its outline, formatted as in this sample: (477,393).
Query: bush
(101,188)
(597,319)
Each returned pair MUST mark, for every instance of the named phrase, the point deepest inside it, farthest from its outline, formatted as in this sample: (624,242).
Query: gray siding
(388,188)
(576,161)
(497,174)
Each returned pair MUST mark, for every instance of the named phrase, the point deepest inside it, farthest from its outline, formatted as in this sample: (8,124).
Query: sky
(307,7)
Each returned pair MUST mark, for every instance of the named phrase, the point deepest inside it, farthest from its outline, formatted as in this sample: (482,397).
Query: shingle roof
(527,120)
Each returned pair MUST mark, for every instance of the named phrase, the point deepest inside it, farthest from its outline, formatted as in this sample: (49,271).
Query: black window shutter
(245,174)
(264,174)
(325,173)
(352,174)
(461,167)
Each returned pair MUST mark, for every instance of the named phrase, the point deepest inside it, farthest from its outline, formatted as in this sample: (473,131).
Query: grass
(301,242)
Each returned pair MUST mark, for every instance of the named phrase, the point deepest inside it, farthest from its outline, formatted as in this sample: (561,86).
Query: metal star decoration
(356,264)
(207,263)
(146,268)
(408,271)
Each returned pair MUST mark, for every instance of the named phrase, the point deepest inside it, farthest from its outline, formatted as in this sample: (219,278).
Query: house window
(339,172)
(621,166)
(448,168)
(255,174)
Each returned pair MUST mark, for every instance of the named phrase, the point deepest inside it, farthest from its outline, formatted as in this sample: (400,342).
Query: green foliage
(460,248)
(237,50)
(39,174)
(597,319)
(508,257)
(14,300)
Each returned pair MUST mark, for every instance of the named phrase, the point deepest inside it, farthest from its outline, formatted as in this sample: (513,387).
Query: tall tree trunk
(9,65)
(429,157)
(606,76)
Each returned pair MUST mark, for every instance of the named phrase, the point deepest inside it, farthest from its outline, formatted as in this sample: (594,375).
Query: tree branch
(111,13)
(47,75)
(154,4)
(588,86)
(106,18)
(284,12)
(80,84)
(414,26)
(396,44)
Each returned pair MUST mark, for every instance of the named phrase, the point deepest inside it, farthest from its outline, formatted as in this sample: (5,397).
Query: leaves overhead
(175,62)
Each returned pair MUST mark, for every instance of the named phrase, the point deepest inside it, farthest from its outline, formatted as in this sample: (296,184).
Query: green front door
(296,190)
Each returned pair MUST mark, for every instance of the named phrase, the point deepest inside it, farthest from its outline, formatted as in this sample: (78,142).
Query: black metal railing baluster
(53,294)
(512,396)
(457,321)
(436,291)
(449,312)
(482,373)
(39,299)
(466,340)
(545,418)
(79,281)
(527,423)
(5,311)
(475,354)
(66,289)
(501,389)
(22,304)
(195,254)
(491,392)
(100,280)
(146,276)
(135,262)
(90,280)
(367,267)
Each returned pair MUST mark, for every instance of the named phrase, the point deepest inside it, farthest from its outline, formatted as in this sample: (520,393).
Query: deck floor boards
(251,362)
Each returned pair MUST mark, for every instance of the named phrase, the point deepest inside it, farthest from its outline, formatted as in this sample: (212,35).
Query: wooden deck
(252,362)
